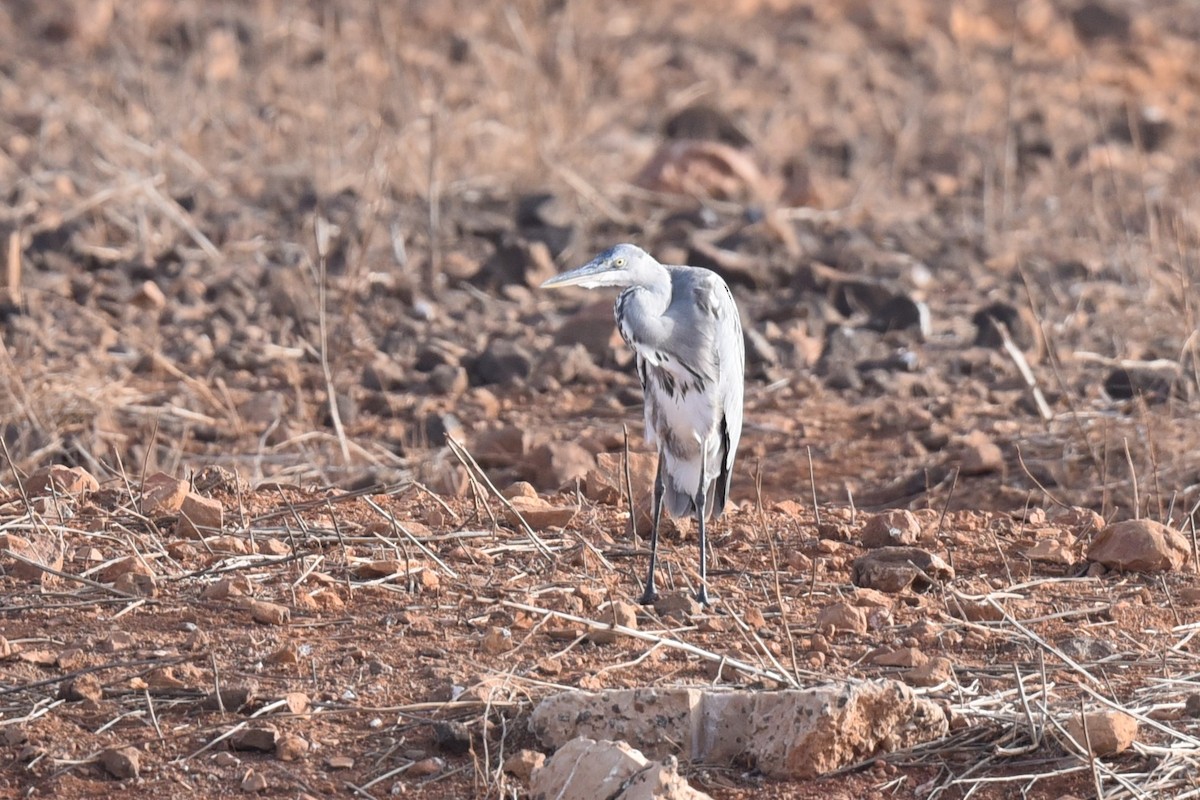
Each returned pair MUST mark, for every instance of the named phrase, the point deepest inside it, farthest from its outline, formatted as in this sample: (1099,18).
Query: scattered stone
(1083,522)
(261,738)
(254,781)
(605,483)
(895,569)
(199,516)
(272,547)
(122,763)
(382,568)
(617,613)
(384,374)
(933,672)
(516,261)
(298,703)
(539,513)
(901,657)
(235,545)
(891,528)
(38,657)
(1109,731)
(1094,21)
(426,767)
(162,495)
(592,326)
(215,478)
(1154,382)
(705,168)
(39,549)
(136,584)
(1191,706)
(1086,648)
(501,447)
(267,613)
(450,380)
(120,567)
(497,640)
(661,781)
(148,297)
(452,737)
(84,687)
(976,610)
(436,427)
(584,769)
(522,763)
(57,479)
(1019,322)
(1053,546)
(291,747)
(980,455)
(682,605)
(226,588)
(1140,545)
(564,365)
(558,464)
(787,734)
(843,617)
(339,762)
(115,642)
(902,313)
(503,362)
(702,121)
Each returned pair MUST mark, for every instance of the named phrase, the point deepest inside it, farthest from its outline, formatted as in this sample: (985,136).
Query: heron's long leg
(651,594)
(701,495)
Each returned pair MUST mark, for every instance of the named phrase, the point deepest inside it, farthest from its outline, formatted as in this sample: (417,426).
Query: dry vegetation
(286,248)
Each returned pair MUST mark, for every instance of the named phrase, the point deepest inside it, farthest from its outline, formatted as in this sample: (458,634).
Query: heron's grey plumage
(684,328)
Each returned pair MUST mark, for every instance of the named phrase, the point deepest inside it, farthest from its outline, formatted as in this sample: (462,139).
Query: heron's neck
(641,314)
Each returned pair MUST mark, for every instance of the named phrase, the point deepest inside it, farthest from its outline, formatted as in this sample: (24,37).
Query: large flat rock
(798,733)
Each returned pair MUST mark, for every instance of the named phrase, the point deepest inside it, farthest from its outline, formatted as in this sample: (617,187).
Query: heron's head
(623,265)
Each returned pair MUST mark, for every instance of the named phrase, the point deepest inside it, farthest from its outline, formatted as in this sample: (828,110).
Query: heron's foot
(649,597)
(702,595)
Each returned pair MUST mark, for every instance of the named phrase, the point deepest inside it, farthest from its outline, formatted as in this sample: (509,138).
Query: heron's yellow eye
(618,262)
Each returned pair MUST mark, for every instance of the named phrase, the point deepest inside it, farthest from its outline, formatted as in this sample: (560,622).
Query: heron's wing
(715,301)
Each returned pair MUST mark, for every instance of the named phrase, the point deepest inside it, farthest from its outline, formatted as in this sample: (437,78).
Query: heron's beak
(580,276)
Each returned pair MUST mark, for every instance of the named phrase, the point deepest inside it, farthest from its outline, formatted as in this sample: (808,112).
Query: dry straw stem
(707,655)
(1018,358)
(321,232)
(468,461)
(408,534)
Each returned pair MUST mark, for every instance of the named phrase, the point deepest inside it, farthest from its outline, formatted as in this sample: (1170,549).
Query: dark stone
(1094,21)
(436,427)
(543,208)
(701,121)
(901,313)
(760,353)
(1152,383)
(852,297)
(384,375)
(987,331)
(1149,130)
(452,737)
(435,354)
(502,362)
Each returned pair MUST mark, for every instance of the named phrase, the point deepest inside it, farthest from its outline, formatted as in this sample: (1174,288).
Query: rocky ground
(340,497)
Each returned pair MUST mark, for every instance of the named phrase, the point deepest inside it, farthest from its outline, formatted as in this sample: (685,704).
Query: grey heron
(684,328)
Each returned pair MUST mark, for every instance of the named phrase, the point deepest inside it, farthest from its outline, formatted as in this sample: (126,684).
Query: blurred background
(300,240)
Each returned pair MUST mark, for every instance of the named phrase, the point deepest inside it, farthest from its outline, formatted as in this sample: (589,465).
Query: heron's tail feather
(683,504)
